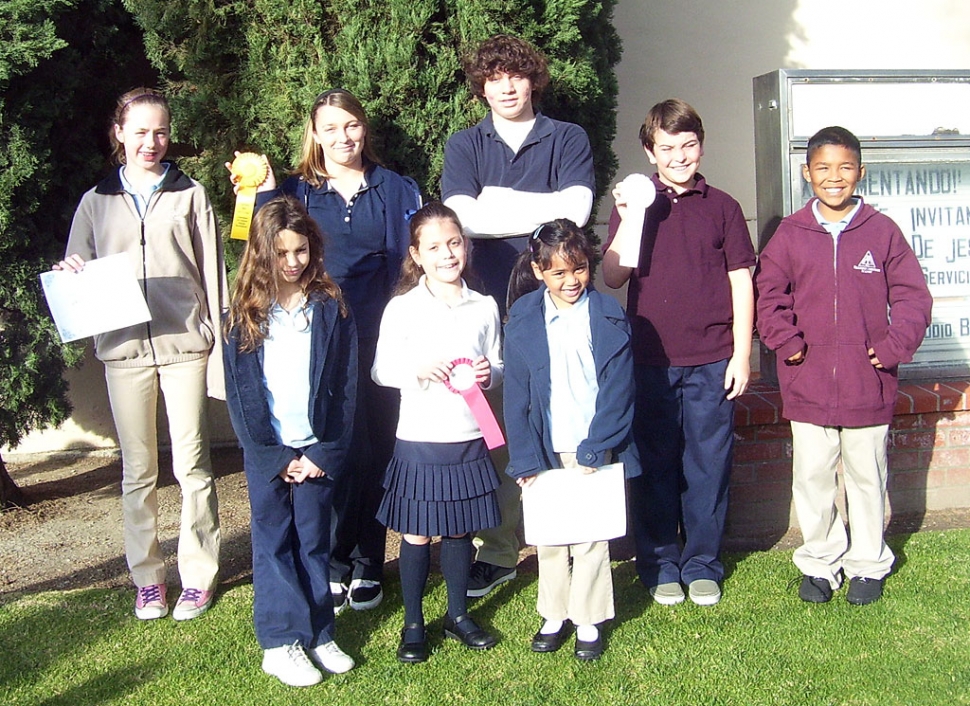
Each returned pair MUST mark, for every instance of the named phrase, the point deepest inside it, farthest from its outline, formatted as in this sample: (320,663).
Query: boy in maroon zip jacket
(823,284)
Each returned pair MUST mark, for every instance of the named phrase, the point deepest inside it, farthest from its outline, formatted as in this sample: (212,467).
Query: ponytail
(562,237)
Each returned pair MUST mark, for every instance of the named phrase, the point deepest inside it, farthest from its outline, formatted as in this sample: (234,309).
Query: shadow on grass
(95,691)
(68,628)
(356,629)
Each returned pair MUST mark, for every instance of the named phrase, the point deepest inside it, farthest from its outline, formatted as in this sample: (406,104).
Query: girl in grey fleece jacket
(163,221)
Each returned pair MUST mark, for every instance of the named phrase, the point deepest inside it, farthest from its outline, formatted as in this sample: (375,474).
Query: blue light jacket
(333,395)
(527,388)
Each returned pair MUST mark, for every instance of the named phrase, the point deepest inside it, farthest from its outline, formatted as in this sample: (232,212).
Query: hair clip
(408,215)
(537,231)
(131,100)
(326,94)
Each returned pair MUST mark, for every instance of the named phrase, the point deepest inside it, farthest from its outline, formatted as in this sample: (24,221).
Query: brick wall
(929,460)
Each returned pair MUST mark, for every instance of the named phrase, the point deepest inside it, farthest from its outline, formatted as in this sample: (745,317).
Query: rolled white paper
(639,192)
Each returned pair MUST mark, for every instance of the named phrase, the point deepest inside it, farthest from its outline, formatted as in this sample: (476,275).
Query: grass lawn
(760,645)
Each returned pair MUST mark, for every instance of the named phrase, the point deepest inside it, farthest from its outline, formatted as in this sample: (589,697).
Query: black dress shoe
(467,632)
(413,647)
(552,641)
(587,651)
(815,590)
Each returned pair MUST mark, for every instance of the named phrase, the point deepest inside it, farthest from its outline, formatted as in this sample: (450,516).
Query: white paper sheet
(567,506)
(103,296)
(639,192)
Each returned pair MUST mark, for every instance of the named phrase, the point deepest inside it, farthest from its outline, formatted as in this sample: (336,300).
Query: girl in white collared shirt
(441,481)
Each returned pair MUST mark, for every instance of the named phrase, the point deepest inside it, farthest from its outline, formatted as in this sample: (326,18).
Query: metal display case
(915,132)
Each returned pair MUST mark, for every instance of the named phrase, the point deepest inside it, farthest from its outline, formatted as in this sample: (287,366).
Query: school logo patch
(867,265)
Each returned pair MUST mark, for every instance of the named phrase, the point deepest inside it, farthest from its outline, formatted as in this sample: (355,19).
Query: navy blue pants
(492,261)
(684,428)
(291,555)
(357,539)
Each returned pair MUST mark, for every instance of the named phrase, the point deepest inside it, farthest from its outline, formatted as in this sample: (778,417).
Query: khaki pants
(500,545)
(581,592)
(133,393)
(827,551)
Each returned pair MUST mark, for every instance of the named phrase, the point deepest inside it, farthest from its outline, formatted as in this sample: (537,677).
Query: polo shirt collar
(700,185)
(840,224)
(542,129)
(467,294)
(150,189)
(281,314)
(372,177)
(551,313)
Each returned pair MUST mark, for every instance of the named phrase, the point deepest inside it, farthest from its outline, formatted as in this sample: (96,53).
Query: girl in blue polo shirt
(362,209)
(291,377)
(568,403)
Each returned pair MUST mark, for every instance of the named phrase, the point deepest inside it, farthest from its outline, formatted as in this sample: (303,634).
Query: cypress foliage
(243,73)
(61,63)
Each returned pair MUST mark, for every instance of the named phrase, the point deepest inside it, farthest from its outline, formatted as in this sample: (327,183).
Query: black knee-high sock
(414,564)
(456,560)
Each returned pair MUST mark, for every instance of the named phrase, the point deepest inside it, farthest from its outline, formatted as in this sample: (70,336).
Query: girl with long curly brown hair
(291,381)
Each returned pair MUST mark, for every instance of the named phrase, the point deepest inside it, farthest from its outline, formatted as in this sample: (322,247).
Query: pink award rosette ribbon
(462,382)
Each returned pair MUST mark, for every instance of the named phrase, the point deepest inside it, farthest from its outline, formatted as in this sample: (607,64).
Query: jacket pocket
(860,383)
(810,381)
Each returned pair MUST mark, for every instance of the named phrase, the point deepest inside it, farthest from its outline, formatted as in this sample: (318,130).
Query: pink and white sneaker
(192,603)
(150,603)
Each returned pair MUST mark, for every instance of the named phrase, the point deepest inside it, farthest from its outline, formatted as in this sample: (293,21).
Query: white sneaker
(704,592)
(332,658)
(291,665)
(365,594)
(340,597)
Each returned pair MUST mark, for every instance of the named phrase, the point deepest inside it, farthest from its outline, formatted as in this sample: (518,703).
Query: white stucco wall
(706,52)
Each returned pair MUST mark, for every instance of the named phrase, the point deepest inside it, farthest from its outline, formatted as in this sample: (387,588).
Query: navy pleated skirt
(440,489)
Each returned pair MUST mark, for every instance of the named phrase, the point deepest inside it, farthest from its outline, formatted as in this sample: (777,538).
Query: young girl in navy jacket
(291,376)
(568,403)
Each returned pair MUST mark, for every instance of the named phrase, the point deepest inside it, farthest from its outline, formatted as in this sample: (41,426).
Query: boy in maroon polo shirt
(691,307)
(825,281)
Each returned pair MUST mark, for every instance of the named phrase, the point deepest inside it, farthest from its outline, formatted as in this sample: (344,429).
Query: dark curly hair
(511,55)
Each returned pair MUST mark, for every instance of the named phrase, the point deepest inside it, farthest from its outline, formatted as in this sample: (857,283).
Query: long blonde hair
(312,166)
(257,282)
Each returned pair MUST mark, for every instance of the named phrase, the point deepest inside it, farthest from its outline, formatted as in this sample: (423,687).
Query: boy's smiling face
(834,171)
(509,96)
(677,157)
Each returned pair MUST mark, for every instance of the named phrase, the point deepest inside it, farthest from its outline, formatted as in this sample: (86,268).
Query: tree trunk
(10,494)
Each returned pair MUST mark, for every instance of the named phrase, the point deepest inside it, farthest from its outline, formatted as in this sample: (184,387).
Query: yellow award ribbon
(248,172)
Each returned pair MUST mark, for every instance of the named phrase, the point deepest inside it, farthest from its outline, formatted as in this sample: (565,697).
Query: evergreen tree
(243,73)
(61,65)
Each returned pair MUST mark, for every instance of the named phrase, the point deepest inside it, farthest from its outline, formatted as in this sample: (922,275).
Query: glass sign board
(881,109)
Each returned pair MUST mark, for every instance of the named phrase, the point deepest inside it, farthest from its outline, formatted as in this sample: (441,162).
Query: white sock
(551,627)
(587,633)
